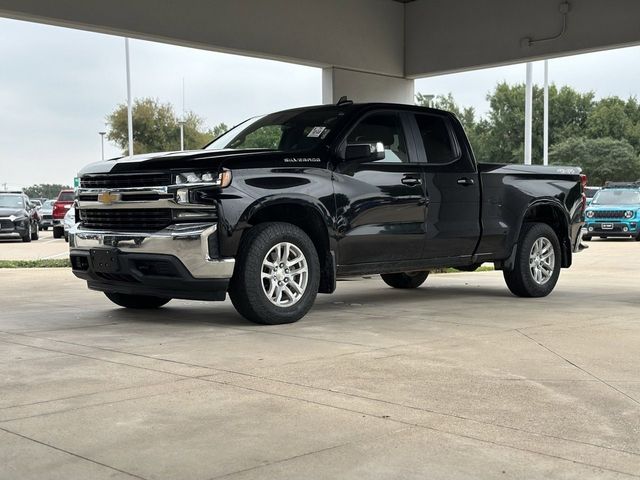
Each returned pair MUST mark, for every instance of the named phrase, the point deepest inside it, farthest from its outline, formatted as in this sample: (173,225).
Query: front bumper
(180,261)
(12,228)
(612,228)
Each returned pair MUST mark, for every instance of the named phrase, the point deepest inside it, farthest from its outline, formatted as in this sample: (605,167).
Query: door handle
(465,181)
(411,181)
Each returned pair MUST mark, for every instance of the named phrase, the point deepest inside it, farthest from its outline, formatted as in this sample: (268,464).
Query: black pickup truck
(280,206)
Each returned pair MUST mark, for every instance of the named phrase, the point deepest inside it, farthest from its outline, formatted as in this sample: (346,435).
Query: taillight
(58,210)
(583,185)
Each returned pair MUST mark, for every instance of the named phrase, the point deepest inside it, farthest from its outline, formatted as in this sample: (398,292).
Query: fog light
(182,195)
(591,229)
(625,229)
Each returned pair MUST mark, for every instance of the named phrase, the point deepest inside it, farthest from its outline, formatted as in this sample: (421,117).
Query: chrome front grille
(131,180)
(608,214)
(126,220)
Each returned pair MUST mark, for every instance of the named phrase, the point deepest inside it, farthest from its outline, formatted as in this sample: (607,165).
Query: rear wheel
(405,279)
(277,274)
(141,302)
(58,232)
(537,264)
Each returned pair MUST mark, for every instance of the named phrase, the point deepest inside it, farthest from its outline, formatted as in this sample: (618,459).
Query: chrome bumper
(189,243)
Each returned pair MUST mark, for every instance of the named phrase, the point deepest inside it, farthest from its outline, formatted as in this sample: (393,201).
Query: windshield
(11,201)
(295,130)
(48,204)
(616,197)
(66,197)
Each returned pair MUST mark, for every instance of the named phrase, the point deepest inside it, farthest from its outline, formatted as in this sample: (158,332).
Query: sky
(57,85)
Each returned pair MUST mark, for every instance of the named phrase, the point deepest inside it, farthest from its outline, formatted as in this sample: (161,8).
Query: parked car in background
(18,216)
(69,222)
(46,214)
(62,204)
(614,212)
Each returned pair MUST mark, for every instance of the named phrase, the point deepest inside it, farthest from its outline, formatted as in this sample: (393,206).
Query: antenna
(344,101)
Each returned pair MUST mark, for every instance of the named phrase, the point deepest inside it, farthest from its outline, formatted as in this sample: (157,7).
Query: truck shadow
(224,315)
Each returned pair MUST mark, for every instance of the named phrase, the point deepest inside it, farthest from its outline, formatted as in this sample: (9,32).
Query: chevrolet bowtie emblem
(108,198)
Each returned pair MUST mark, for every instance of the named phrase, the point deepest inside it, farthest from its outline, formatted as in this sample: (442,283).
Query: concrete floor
(46,247)
(457,379)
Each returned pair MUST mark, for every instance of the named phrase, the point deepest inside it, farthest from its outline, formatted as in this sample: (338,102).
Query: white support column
(545,148)
(365,87)
(528,114)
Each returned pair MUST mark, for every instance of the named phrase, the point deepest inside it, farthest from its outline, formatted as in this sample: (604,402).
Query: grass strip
(43,263)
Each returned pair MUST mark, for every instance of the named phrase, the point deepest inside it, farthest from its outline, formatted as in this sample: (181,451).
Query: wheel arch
(553,214)
(311,217)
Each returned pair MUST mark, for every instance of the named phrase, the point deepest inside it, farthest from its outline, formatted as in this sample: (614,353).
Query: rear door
(452,187)
(380,205)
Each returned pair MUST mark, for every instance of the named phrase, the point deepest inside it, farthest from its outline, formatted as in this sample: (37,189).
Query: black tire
(246,288)
(45,228)
(34,234)
(587,238)
(58,232)
(638,238)
(139,302)
(520,280)
(66,237)
(405,280)
(26,238)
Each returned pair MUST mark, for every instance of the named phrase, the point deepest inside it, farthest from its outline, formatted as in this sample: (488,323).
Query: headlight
(628,214)
(222,179)
(590,214)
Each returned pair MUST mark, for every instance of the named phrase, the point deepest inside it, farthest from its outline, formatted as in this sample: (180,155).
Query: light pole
(181,122)
(545,138)
(102,134)
(528,114)
(129,107)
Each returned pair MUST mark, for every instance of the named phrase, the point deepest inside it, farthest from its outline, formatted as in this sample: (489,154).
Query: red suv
(60,208)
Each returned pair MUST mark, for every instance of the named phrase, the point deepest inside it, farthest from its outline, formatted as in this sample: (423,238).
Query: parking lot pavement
(45,247)
(457,379)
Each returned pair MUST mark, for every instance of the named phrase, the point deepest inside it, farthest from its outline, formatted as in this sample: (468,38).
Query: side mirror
(365,152)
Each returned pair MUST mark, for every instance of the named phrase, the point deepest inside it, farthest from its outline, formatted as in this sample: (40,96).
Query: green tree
(45,190)
(156,128)
(602,159)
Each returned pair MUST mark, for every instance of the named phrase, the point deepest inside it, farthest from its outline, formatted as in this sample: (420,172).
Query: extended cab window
(436,138)
(385,128)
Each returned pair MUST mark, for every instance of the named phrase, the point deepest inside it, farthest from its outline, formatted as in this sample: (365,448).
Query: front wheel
(28,236)
(537,264)
(405,280)
(34,233)
(140,302)
(58,232)
(277,274)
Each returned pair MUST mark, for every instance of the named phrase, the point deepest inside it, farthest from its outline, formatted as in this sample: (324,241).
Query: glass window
(385,128)
(616,197)
(436,139)
(66,196)
(290,131)
(11,201)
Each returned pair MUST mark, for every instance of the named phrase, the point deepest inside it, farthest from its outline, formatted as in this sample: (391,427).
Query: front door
(380,205)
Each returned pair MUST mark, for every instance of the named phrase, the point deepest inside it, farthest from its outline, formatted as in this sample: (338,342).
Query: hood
(192,159)
(7,212)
